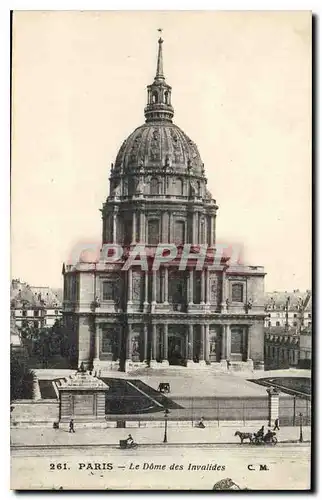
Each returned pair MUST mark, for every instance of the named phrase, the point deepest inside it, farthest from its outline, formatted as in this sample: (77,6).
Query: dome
(158,144)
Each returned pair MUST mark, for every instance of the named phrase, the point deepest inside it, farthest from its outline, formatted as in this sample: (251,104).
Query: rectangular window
(24,313)
(108,290)
(36,313)
(178,235)
(153,232)
(237,292)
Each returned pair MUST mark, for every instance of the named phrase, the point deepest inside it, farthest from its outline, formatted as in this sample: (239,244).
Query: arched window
(179,229)
(166,97)
(237,292)
(154,97)
(153,232)
(154,186)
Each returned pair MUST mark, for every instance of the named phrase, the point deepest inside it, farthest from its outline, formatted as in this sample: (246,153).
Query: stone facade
(123,317)
(81,397)
(281,348)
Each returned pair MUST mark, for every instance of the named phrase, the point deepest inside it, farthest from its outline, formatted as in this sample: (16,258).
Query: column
(97,343)
(207,290)
(190,287)
(142,227)
(164,228)
(154,343)
(228,342)
(165,344)
(154,287)
(190,342)
(247,332)
(223,293)
(170,227)
(128,353)
(205,234)
(134,228)
(194,227)
(211,230)
(146,288)
(114,228)
(273,405)
(166,285)
(202,286)
(223,343)
(202,344)
(206,343)
(129,286)
(145,342)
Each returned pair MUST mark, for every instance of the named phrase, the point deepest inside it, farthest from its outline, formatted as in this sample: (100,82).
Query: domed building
(146,307)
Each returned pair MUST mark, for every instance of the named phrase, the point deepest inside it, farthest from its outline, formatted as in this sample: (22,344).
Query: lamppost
(301,429)
(166,413)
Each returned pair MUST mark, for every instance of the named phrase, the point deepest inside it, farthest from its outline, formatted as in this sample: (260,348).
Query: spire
(159,106)
(159,74)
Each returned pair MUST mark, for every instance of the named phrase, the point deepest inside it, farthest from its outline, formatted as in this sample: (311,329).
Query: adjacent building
(288,309)
(120,316)
(288,329)
(36,307)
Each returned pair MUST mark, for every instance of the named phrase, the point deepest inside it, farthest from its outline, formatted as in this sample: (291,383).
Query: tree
(21,379)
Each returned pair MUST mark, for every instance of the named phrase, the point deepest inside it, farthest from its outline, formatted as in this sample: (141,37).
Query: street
(184,467)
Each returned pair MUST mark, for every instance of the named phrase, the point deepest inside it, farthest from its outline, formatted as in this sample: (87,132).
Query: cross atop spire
(159,74)
(159,106)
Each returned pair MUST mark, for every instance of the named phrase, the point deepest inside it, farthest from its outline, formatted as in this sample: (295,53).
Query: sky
(241,90)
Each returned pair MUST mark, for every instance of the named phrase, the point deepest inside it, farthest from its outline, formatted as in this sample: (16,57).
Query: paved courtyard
(198,382)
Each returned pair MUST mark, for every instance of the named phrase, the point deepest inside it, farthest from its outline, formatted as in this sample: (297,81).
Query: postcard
(161,303)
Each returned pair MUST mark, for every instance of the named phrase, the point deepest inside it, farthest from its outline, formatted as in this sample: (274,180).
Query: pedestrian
(201,424)
(276,425)
(71,426)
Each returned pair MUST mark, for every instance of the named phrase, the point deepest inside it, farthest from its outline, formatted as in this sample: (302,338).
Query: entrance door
(176,352)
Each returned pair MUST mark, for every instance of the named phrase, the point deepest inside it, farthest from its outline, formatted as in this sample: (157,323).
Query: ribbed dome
(158,144)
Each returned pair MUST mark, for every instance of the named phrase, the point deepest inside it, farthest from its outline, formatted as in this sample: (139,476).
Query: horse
(244,435)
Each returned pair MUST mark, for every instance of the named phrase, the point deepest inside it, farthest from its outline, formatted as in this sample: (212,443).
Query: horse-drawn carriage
(257,438)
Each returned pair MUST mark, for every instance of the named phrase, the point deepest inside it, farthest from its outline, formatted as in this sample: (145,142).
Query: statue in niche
(194,188)
(213,289)
(140,188)
(136,288)
(155,134)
